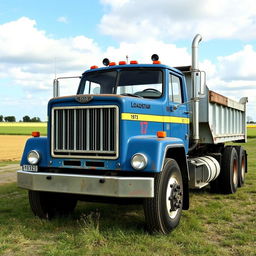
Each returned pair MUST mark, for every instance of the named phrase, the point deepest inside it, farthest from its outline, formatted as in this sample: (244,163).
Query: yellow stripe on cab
(154,118)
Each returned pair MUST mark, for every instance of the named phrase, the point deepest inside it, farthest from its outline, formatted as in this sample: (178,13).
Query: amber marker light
(161,134)
(112,64)
(122,62)
(36,134)
(133,62)
(156,62)
(94,67)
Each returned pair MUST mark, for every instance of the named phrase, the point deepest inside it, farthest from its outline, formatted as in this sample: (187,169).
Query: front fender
(41,145)
(154,148)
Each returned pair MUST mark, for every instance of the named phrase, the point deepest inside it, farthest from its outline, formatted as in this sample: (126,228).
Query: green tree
(1,118)
(26,119)
(9,119)
(35,119)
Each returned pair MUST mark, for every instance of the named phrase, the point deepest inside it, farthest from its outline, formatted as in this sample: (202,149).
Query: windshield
(133,82)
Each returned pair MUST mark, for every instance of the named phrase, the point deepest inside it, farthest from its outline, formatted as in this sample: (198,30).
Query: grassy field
(27,128)
(4,163)
(22,128)
(215,225)
(251,132)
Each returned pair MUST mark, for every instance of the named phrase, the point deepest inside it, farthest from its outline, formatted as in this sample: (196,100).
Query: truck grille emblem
(83,99)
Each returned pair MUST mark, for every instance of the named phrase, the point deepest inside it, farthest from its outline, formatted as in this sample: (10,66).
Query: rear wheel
(46,205)
(242,163)
(163,212)
(229,171)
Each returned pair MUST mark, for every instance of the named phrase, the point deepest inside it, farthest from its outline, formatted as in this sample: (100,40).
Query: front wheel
(47,205)
(163,212)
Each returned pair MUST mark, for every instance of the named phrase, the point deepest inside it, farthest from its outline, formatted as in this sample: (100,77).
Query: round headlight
(139,161)
(33,157)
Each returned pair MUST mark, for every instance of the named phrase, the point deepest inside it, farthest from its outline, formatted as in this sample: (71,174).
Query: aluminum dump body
(221,119)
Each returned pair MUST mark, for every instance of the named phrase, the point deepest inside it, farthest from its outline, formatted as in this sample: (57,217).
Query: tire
(242,163)
(163,212)
(215,186)
(47,205)
(229,171)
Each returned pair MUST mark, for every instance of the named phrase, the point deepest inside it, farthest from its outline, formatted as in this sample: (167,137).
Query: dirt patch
(11,147)
(8,173)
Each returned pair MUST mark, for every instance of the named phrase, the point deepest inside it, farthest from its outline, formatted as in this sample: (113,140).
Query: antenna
(127,58)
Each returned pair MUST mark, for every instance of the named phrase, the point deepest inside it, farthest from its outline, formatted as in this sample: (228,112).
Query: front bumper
(130,187)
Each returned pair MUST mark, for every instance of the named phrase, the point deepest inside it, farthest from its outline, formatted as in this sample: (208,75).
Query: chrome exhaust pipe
(56,90)
(194,72)
(197,39)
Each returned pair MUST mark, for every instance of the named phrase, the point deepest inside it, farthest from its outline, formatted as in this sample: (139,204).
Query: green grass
(22,128)
(4,163)
(251,132)
(214,225)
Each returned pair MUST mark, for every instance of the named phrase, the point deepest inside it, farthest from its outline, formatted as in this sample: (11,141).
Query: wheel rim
(235,172)
(173,197)
(243,169)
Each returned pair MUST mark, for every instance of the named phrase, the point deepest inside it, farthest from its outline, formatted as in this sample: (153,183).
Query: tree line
(24,119)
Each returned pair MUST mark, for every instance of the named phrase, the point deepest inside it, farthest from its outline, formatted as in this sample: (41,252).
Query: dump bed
(220,118)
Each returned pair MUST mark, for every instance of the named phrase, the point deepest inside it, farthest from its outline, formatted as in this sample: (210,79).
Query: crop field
(11,147)
(22,128)
(214,225)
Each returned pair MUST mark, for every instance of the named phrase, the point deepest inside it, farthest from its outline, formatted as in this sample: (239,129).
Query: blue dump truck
(136,132)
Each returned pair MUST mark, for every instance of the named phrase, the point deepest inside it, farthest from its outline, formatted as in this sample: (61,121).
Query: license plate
(30,168)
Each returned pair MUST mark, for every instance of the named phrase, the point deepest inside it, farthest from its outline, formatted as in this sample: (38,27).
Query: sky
(46,38)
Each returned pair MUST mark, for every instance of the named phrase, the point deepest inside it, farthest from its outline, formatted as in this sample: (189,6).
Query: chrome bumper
(87,184)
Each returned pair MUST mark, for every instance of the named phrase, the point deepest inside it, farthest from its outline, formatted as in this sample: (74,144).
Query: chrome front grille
(89,132)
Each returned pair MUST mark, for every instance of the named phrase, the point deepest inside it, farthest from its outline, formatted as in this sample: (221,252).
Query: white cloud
(169,54)
(28,60)
(63,19)
(240,65)
(133,20)
(28,55)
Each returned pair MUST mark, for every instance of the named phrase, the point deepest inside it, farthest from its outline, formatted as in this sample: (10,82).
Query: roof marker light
(112,64)
(161,134)
(156,62)
(133,62)
(122,62)
(94,67)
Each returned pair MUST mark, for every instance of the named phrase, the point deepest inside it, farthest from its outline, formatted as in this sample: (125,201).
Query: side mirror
(56,85)
(199,83)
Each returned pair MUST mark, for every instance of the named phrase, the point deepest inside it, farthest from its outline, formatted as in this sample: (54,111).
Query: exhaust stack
(197,39)
(56,90)
(196,80)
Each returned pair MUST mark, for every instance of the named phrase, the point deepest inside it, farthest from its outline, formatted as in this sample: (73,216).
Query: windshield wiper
(130,94)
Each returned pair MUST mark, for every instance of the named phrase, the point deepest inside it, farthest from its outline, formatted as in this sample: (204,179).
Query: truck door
(177,121)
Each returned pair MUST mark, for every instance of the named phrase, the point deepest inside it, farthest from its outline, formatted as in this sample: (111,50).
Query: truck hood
(126,104)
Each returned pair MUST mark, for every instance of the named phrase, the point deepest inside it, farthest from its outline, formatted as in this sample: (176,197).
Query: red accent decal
(144,127)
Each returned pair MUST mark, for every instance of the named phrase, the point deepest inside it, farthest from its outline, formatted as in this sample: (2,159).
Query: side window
(175,89)
(92,88)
